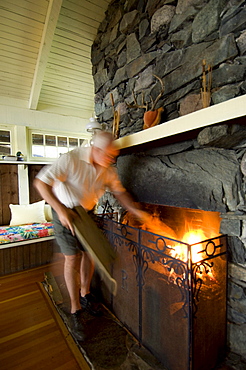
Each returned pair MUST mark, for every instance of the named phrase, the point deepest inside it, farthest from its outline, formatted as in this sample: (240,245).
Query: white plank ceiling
(45,49)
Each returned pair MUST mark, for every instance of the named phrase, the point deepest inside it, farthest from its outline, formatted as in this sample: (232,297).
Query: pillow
(48,212)
(27,214)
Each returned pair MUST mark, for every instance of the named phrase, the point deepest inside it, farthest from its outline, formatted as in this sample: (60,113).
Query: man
(80,178)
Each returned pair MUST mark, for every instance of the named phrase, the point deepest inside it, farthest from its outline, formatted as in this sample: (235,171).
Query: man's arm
(128,203)
(65,214)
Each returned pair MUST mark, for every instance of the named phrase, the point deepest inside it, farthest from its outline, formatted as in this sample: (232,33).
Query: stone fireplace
(193,164)
(197,171)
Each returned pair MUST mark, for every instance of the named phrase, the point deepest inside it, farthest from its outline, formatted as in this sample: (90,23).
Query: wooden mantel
(221,112)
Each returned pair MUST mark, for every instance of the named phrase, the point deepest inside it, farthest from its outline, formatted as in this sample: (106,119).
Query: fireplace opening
(172,279)
(177,222)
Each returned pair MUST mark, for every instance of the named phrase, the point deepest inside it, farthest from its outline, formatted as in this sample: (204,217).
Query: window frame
(63,134)
(11,130)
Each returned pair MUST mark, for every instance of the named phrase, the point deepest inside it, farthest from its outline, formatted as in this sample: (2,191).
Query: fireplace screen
(171,294)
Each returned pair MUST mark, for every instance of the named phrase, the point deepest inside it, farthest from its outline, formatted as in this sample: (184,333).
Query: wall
(23,119)
(13,115)
(170,39)
(19,121)
(10,187)
(8,190)
(199,169)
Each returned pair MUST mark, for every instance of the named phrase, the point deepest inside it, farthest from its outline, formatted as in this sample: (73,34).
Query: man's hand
(143,217)
(66,216)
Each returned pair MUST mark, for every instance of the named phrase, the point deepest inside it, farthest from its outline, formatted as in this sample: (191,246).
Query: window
(52,146)
(5,142)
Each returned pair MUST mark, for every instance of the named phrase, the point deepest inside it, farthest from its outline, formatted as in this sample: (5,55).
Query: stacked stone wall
(170,39)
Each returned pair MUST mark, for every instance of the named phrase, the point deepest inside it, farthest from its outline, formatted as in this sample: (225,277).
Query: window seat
(26,246)
(13,234)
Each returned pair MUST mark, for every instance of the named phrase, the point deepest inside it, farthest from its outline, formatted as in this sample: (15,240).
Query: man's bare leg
(71,272)
(87,300)
(72,279)
(86,273)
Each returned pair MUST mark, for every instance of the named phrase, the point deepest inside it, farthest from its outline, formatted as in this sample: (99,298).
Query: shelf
(221,112)
(22,162)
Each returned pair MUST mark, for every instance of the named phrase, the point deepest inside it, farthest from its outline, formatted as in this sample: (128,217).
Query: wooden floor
(32,334)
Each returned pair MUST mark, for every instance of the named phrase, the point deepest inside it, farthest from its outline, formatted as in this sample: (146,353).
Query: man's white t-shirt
(76,181)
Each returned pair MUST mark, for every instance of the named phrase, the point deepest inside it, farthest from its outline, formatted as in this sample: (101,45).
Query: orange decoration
(152,117)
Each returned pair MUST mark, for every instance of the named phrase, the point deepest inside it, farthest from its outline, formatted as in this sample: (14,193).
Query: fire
(190,237)
(180,251)
(193,237)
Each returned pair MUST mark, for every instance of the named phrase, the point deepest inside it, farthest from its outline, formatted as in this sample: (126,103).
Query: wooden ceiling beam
(44,50)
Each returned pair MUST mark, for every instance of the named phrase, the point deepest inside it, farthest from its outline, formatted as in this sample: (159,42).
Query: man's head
(104,150)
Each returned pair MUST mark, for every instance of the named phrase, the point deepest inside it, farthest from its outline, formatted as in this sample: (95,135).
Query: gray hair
(102,139)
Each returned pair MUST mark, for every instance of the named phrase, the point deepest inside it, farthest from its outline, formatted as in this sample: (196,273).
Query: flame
(190,237)
(193,237)
(180,251)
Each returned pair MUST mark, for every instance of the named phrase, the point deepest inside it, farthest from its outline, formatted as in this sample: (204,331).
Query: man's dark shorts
(68,243)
